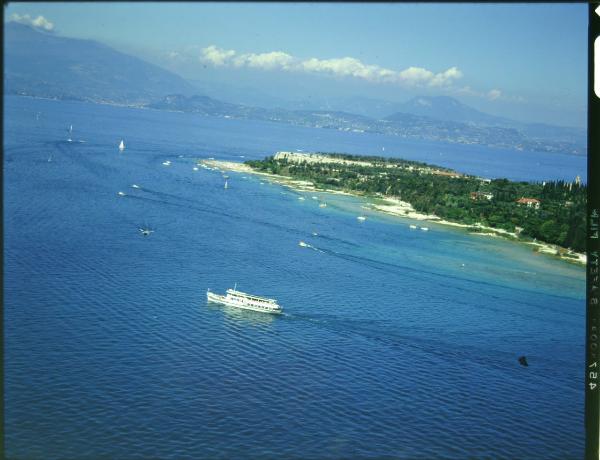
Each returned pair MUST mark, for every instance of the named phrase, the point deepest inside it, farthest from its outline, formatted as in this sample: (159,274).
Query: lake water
(395,343)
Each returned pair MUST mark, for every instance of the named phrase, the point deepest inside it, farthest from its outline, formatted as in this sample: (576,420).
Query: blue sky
(527,61)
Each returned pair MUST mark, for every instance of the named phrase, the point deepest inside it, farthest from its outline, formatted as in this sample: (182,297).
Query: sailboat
(122,145)
(70,132)
(226,184)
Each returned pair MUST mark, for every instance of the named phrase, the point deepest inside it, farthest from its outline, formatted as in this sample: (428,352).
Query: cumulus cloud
(343,67)
(267,61)
(216,56)
(443,78)
(40,22)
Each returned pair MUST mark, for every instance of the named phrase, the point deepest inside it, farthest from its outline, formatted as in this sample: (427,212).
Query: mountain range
(43,64)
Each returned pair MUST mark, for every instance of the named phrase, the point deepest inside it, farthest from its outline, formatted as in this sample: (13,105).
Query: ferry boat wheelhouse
(235,298)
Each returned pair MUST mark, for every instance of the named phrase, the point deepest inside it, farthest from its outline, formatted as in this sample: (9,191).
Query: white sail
(122,145)
(225,184)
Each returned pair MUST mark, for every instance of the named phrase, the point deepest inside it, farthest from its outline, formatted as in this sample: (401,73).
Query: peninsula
(548,215)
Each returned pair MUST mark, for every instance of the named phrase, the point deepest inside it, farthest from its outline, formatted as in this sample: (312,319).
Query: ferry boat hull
(232,299)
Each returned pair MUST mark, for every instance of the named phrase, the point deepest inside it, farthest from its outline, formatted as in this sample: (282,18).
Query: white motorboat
(362,218)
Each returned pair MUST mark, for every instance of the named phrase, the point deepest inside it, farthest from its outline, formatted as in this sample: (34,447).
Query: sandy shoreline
(399,208)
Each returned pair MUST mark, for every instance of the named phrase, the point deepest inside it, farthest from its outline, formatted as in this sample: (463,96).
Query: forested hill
(551,211)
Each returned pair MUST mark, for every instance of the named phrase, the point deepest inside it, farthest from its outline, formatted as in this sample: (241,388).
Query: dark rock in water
(523,361)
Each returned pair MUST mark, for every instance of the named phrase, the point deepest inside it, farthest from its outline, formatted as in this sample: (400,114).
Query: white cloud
(494,94)
(342,67)
(267,61)
(215,56)
(446,77)
(416,75)
(39,22)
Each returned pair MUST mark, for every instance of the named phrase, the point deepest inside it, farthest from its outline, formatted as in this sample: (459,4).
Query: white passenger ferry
(235,298)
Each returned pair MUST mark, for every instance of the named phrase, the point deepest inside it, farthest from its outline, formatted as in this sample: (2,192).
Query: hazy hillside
(446,108)
(400,124)
(43,64)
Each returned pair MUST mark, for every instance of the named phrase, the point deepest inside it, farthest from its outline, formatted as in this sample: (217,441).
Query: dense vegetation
(560,218)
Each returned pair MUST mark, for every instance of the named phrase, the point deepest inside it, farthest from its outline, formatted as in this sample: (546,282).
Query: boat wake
(309,246)
(440,279)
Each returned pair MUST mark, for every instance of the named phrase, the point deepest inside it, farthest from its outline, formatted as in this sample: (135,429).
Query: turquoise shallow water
(395,343)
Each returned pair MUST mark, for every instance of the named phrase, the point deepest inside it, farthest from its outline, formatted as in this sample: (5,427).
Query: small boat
(235,298)
(225,185)
(425,229)
(413,227)
(145,231)
(362,218)
(323,205)
(120,194)
(135,186)
(303,244)
(122,145)
(315,197)
(301,198)
(70,132)
(195,168)
(167,163)
(315,234)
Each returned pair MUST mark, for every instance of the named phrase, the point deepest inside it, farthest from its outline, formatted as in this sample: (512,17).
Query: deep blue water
(395,343)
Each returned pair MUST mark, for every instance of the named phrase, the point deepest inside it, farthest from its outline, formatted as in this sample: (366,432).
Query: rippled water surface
(395,343)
